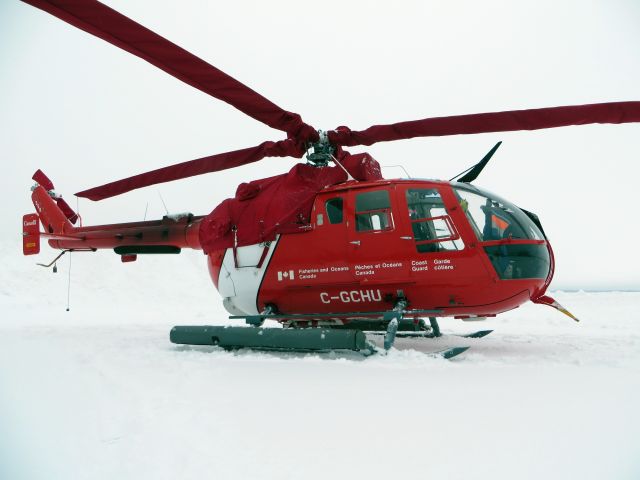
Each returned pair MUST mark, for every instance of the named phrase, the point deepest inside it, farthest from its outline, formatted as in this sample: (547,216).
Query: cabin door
(378,243)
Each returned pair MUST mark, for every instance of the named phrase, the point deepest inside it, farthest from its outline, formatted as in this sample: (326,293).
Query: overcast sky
(87,113)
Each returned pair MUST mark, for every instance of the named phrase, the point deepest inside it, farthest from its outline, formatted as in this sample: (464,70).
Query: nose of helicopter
(523,257)
(512,237)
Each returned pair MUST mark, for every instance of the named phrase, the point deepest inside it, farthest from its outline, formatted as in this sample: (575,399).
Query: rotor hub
(321,151)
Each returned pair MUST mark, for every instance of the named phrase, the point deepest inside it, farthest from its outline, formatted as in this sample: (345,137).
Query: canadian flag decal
(287,275)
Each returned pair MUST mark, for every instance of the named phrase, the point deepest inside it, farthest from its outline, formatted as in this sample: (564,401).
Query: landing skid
(316,340)
(450,352)
(302,335)
(478,334)
(427,334)
(446,353)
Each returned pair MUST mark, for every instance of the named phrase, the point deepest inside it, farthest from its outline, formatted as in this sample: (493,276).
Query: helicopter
(331,249)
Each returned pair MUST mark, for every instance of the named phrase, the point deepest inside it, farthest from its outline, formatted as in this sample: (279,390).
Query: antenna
(163,204)
(69,285)
(398,166)
(78,211)
(349,177)
(147,208)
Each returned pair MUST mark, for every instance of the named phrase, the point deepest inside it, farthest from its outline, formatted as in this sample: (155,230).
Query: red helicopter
(330,249)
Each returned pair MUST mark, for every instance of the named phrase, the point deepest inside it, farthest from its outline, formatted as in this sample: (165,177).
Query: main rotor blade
(532,119)
(102,21)
(213,163)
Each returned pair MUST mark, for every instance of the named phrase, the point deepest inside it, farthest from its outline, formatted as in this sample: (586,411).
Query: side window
(433,230)
(373,211)
(333,206)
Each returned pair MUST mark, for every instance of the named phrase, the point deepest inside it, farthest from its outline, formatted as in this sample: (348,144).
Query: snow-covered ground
(99,392)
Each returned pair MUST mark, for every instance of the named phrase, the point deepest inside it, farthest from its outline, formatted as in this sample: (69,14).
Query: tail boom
(167,235)
(168,232)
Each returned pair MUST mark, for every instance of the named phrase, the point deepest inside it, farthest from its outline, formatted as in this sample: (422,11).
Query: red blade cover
(67,210)
(43,180)
(281,204)
(102,21)
(533,119)
(213,163)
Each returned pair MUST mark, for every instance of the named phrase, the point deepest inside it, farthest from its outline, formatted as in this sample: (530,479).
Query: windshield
(494,218)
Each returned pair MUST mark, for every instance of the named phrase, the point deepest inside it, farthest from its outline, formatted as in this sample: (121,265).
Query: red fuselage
(370,243)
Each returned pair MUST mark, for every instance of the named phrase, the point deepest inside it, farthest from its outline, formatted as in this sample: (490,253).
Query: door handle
(406,238)
(355,242)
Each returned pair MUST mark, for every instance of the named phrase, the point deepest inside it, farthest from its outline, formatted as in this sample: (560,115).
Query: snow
(99,392)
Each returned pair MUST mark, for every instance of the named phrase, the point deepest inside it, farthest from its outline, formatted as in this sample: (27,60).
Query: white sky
(87,113)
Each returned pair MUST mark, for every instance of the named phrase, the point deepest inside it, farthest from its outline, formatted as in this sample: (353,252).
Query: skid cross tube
(394,317)
(435,328)
(258,320)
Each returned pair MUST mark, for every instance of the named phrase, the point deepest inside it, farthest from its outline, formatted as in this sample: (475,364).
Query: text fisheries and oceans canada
(367,269)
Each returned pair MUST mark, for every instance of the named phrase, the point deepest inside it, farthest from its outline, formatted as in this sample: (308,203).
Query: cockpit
(512,238)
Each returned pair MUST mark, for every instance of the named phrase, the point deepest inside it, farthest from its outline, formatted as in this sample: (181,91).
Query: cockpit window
(373,211)
(493,218)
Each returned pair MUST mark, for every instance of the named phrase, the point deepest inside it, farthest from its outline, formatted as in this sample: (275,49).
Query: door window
(373,211)
(432,228)
(333,206)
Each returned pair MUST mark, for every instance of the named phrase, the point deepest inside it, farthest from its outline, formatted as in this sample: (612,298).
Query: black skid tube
(289,339)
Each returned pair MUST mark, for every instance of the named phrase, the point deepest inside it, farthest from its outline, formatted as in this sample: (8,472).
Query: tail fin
(47,184)
(56,216)
(53,219)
